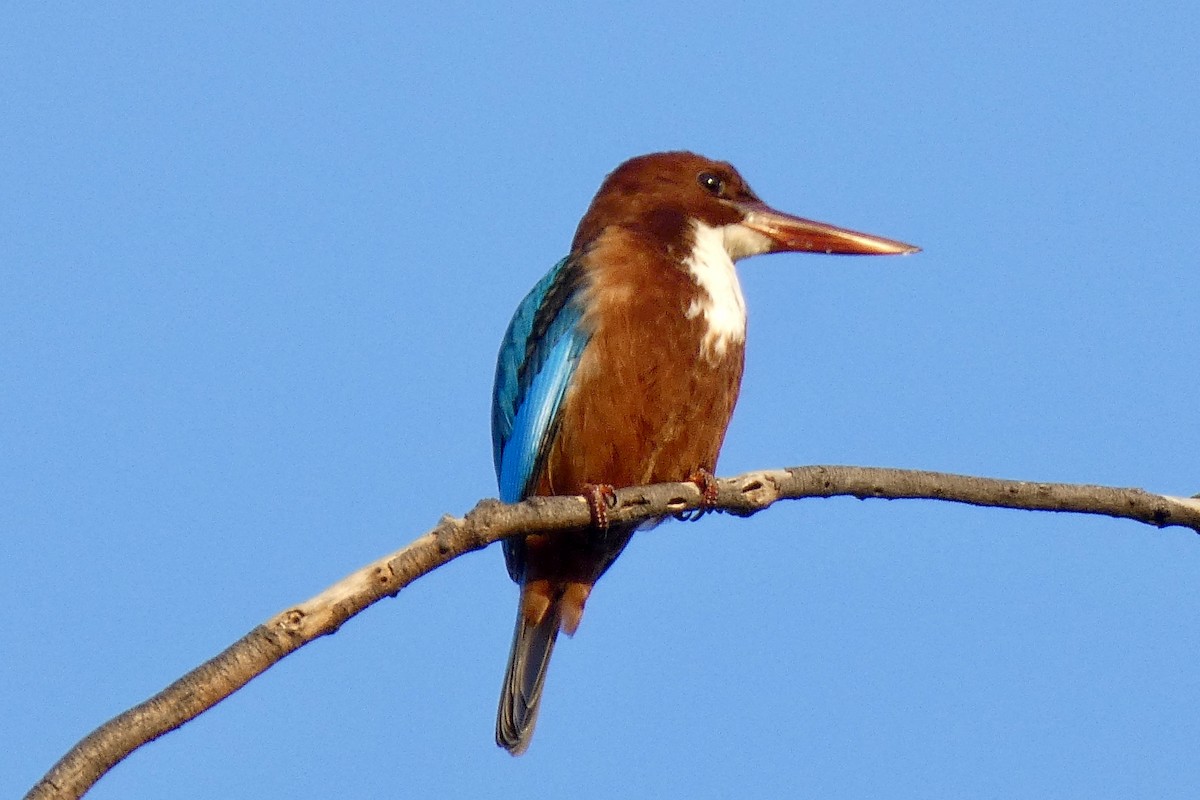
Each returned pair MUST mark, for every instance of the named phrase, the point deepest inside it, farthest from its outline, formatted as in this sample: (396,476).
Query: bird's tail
(533,642)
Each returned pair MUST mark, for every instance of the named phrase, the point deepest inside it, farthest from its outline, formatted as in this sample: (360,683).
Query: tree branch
(491,521)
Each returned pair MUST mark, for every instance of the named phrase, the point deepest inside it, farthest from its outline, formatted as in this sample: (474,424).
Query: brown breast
(646,405)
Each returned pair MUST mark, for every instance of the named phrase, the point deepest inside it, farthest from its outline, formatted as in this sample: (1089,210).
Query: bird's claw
(600,498)
(706,482)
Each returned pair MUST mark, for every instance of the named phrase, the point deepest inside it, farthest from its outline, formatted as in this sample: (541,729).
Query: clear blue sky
(255,267)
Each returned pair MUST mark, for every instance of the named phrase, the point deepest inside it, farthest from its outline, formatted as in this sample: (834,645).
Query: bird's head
(665,196)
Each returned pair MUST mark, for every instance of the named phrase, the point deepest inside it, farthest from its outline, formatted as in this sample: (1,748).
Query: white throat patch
(720,301)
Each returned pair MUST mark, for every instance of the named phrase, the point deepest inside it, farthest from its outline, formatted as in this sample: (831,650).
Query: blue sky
(256,264)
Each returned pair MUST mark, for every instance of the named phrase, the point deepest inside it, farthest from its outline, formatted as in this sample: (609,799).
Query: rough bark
(490,521)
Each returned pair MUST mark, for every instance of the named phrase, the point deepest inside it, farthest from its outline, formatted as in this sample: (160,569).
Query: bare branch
(491,521)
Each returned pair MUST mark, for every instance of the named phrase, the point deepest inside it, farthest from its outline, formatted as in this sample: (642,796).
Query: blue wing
(537,359)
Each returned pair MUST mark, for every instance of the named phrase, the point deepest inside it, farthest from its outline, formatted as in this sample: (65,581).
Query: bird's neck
(718,299)
(688,290)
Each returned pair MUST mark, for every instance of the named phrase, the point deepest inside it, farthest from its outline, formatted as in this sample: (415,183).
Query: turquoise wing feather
(537,360)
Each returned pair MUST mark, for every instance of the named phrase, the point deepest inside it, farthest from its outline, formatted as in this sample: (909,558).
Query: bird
(621,367)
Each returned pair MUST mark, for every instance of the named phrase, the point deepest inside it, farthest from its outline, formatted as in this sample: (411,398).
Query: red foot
(706,482)
(600,498)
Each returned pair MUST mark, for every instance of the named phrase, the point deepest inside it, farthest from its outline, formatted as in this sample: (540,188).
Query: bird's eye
(712,183)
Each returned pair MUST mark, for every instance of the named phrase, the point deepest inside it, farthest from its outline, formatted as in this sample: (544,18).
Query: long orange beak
(794,234)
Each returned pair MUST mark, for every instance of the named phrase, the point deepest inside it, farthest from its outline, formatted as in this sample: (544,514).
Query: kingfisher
(621,368)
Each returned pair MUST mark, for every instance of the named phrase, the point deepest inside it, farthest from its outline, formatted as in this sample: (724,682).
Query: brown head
(663,195)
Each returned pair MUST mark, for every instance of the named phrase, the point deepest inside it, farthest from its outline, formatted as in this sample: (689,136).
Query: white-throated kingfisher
(621,368)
